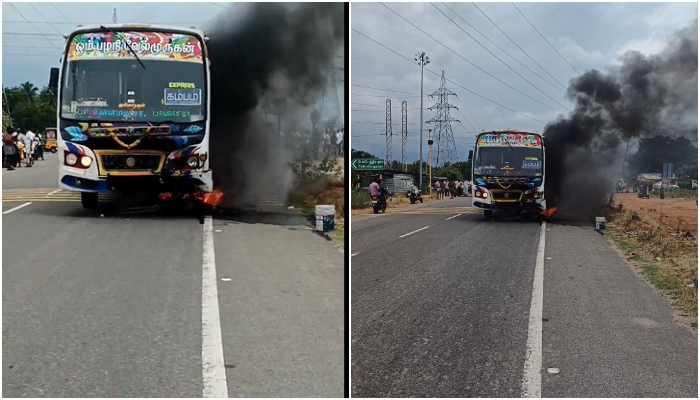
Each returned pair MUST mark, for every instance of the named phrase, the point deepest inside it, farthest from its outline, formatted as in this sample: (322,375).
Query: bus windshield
(508,161)
(103,81)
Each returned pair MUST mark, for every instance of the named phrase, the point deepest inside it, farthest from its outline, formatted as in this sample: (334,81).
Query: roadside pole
(430,161)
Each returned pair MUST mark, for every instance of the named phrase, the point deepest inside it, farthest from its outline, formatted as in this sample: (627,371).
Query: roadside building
(653,177)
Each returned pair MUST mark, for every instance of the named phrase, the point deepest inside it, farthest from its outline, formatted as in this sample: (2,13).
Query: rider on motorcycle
(376,189)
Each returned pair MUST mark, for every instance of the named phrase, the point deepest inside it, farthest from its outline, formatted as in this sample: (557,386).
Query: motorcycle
(413,195)
(642,194)
(379,202)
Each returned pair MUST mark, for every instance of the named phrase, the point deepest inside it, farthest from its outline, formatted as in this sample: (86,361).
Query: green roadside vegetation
(666,254)
(324,184)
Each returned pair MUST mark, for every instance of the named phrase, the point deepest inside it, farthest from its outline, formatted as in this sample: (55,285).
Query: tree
(27,107)
(654,152)
(688,171)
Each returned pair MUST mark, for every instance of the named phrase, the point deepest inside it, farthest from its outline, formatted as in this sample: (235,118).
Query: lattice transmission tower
(404,134)
(388,133)
(445,141)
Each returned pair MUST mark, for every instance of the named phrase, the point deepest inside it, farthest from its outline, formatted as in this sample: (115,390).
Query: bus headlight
(71,159)
(85,161)
(193,162)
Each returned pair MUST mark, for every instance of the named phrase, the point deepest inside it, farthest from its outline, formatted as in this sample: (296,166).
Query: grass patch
(680,194)
(324,185)
(667,256)
(338,235)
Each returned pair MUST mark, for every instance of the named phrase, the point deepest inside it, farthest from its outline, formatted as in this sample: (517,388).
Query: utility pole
(422,60)
(388,133)
(430,160)
(634,116)
(442,119)
(404,134)
(114,16)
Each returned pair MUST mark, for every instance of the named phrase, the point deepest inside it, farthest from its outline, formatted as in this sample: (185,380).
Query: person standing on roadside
(39,148)
(20,139)
(30,146)
(9,149)
(339,141)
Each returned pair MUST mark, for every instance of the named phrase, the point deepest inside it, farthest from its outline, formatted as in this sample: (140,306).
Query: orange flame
(213,199)
(548,212)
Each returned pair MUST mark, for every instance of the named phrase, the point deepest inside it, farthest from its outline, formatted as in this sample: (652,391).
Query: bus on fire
(508,172)
(133,112)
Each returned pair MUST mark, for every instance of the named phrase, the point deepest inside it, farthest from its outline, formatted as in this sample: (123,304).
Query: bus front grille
(508,195)
(128,162)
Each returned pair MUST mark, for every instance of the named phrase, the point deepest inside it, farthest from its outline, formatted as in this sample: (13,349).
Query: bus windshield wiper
(509,145)
(128,45)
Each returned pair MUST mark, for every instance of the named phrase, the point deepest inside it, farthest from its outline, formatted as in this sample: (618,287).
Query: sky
(32,33)
(577,37)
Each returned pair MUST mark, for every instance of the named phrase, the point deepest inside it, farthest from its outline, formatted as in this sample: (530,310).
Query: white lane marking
(358,220)
(213,372)
(454,216)
(532,377)
(411,233)
(353,254)
(54,192)
(17,208)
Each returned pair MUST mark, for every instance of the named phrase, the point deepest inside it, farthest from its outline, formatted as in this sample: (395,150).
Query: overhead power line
(518,46)
(498,58)
(505,52)
(572,36)
(386,90)
(373,105)
(62,14)
(466,108)
(367,95)
(436,74)
(386,65)
(474,65)
(545,39)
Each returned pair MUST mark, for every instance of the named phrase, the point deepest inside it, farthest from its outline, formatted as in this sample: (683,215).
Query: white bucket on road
(599,223)
(325,218)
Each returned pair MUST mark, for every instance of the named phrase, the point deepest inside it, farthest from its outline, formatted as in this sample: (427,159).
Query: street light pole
(430,160)
(422,60)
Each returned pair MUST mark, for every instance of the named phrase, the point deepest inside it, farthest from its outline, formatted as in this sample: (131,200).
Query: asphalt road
(152,306)
(446,303)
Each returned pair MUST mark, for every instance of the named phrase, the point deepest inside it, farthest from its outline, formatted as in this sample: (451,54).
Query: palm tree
(6,121)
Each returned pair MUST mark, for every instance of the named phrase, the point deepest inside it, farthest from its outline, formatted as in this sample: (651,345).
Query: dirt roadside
(659,238)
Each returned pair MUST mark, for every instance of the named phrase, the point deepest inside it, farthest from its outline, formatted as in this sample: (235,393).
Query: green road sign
(367,164)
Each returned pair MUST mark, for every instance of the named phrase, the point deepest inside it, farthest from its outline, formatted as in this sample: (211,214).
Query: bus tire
(488,213)
(88,199)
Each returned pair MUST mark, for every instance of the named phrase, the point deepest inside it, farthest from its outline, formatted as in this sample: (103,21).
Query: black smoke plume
(262,52)
(585,151)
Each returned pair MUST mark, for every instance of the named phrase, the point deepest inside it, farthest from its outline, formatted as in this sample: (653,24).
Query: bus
(133,111)
(508,172)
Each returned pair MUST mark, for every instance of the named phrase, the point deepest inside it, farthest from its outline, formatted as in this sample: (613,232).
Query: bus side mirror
(471,154)
(53,78)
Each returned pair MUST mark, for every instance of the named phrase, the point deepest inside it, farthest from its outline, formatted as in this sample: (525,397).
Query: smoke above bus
(260,53)
(585,150)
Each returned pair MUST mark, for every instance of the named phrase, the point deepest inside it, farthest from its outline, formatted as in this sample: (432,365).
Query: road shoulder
(608,331)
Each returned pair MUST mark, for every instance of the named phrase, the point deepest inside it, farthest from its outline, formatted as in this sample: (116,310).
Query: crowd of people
(330,143)
(19,148)
(454,189)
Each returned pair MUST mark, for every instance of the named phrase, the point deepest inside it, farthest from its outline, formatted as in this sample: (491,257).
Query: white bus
(508,172)
(133,111)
